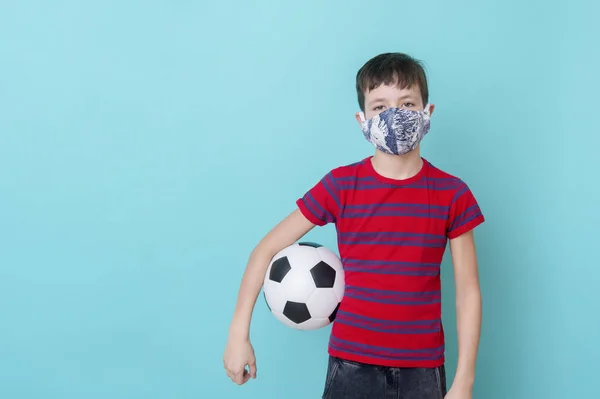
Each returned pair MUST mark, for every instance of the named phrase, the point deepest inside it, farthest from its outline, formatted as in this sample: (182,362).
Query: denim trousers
(352,380)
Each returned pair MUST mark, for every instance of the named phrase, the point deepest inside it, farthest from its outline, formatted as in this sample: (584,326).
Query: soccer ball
(304,285)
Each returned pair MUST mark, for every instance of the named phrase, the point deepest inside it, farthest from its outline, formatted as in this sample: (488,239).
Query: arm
(239,352)
(468,312)
(288,231)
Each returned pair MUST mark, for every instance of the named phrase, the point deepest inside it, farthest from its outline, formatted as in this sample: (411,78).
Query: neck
(398,167)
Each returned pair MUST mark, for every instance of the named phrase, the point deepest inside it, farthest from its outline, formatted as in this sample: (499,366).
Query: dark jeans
(351,380)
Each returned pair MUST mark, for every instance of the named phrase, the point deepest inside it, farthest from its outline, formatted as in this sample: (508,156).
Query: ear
(431,109)
(359,117)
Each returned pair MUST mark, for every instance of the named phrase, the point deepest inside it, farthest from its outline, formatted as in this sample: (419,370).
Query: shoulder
(443,180)
(347,170)
(463,212)
(438,173)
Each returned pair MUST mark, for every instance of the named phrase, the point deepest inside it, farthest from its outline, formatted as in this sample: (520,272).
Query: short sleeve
(465,213)
(321,203)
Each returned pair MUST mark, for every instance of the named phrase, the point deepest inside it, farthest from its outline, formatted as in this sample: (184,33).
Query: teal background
(146,147)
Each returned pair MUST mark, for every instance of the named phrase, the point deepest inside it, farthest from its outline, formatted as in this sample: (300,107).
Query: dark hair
(391,68)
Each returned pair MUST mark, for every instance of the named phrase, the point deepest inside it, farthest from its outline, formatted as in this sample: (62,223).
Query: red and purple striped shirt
(392,235)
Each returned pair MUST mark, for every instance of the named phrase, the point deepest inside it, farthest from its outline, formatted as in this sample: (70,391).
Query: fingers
(234,376)
(252,366)
(246,376)
(238,377)
(242,376)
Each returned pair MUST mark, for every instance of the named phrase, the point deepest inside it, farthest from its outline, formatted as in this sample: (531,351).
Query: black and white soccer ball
(304,286)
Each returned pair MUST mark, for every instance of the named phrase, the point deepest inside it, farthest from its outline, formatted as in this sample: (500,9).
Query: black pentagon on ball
(334,313)
(296,312)
(309,244)
(279,269)
(323,275)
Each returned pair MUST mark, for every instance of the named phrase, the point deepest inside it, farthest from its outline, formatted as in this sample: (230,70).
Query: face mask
(396,131)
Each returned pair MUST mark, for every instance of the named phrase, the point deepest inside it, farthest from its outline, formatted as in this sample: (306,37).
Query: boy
(394,213)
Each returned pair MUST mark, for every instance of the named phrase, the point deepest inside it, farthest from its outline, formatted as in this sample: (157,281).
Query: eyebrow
(378,100)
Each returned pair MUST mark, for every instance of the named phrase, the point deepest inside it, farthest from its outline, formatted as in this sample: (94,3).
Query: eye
(409,105)
(378,108)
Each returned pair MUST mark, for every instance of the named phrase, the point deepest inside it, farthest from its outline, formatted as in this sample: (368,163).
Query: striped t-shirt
(391,236)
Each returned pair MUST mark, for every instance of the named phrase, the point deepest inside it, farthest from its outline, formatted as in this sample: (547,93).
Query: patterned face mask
(396,131)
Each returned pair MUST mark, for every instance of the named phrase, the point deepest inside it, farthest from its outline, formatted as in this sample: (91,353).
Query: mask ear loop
(427,110)
(362,116)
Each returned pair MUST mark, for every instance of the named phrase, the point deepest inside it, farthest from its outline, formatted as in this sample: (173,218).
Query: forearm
(289,230)
(468,312)
(250,286)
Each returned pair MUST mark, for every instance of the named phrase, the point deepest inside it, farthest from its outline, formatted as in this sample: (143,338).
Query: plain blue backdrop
(146,147)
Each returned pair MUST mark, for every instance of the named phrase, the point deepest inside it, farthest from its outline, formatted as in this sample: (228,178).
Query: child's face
(384,97)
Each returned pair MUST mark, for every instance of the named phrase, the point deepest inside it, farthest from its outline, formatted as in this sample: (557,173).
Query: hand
(457,392)
(239,354)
